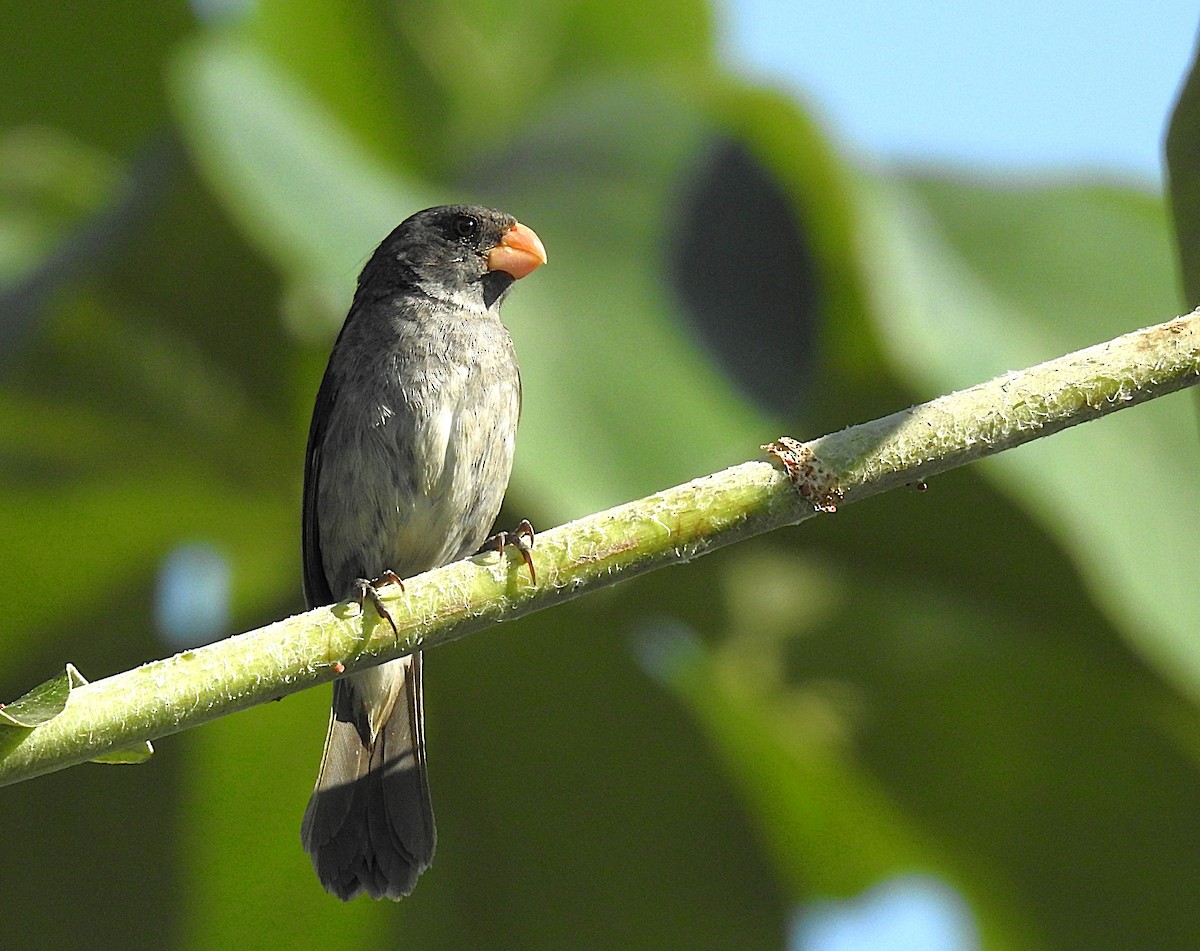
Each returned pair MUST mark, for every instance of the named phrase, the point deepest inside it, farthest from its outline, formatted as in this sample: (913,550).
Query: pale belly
(417,482)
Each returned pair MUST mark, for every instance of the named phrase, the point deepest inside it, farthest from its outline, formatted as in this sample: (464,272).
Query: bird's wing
(316,585)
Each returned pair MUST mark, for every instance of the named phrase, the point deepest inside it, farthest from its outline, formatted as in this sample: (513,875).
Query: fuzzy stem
(669,527)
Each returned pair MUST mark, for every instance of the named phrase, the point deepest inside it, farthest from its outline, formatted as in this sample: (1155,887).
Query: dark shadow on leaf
(745,271)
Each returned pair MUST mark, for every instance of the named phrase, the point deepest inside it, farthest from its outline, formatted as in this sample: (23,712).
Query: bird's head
(464,254)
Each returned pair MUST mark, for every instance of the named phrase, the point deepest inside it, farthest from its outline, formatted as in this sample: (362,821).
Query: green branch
(120,712)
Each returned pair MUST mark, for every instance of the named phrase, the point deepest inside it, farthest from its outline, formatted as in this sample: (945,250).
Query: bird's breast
(413,476)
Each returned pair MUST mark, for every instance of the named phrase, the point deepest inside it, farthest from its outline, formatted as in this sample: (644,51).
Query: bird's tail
(369,824)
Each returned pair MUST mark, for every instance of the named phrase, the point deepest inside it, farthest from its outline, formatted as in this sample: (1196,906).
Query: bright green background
(995,681)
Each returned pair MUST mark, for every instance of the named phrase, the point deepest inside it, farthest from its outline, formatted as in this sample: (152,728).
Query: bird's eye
(466,226)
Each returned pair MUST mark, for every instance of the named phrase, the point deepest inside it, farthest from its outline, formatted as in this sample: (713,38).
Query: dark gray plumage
(409,455)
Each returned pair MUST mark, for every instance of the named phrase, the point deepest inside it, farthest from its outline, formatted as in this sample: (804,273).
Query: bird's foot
(522,538)
(369,591)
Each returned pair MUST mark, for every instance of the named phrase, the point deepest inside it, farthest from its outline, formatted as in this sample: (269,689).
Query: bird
(409,455)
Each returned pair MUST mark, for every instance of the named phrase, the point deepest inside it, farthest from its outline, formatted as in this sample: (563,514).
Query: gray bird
(409,455)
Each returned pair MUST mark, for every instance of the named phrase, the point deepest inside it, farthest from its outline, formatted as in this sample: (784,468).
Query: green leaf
(300,186)
(434,84)
(44,702)
(1183,180)
(974,278)
(120,51)
(343,54)
(197,440)
(50,185)
(832,829)
(879,720)
(47,700)
(131,755)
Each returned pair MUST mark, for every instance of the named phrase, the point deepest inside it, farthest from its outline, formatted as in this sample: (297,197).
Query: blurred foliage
(994,682)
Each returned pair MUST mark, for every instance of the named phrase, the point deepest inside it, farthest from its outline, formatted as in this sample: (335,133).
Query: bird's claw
(522,538)
(369,591)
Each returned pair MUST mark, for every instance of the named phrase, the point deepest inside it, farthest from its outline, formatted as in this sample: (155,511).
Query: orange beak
(519,252)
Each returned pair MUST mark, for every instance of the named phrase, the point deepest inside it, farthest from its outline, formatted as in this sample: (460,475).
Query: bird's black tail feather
(369,824)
